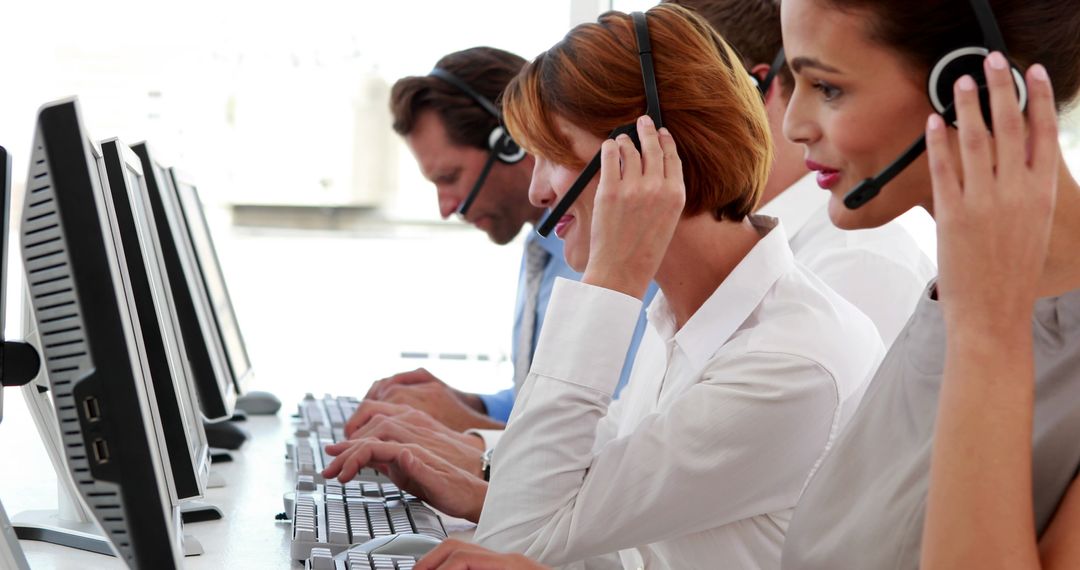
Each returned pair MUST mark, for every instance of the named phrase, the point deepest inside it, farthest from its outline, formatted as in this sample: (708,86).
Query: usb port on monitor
(101,451)
(91,409)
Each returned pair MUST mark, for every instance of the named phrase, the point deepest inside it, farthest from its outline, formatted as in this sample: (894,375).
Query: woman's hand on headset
(994,198)
(639,201)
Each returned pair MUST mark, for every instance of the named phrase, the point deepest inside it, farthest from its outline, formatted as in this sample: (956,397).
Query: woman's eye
(828,91)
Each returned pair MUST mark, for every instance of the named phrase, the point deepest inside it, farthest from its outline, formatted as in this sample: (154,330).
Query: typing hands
(422,390)
(412,468)
(639,201)
(994,202)
(392,422)
(457,555)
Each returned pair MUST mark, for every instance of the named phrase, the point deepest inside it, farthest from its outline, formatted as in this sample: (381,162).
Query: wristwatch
(485,464)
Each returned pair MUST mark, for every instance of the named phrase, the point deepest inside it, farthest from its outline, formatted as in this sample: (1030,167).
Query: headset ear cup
(504,147)
(961,62)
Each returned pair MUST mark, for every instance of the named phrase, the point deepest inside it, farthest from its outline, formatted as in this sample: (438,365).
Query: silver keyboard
(322,422)
(323,559)
(327,411)
(338,516)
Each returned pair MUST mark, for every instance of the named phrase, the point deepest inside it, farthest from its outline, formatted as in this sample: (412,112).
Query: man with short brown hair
(450,122)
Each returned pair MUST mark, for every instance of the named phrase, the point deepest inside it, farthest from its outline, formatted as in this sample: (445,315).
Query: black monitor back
(213,280)
(205,349)
(88,347)
(183,438)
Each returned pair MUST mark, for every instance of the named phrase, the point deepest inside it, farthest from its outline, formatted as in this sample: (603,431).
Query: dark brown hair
(592,78)
(1035,31)
(752,27)
(487,70)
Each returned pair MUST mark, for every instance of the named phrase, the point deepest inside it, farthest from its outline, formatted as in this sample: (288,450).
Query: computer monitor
(96,374)
(11,554)
(205,349)
(213,280)
(182,433)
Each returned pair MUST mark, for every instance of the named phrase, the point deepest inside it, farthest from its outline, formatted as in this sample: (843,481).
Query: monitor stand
(199,511)
(11,554)
(52,527)
(71,523)
(215,480)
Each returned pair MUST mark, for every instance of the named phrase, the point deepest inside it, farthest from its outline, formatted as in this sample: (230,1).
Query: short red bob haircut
(592,78)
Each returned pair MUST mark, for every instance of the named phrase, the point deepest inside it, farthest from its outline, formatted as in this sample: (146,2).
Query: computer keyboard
(338,516)
(322,422)
(323,559)
(327,411)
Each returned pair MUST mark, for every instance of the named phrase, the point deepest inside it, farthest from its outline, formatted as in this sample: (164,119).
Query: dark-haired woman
(972,423)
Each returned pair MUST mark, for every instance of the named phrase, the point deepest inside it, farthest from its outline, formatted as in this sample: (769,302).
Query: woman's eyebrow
(798,63)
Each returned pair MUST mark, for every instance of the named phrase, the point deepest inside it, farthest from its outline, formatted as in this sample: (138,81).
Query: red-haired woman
(751,365)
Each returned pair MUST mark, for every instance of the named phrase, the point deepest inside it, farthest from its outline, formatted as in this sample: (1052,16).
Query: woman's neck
(703,252)
(1062,271)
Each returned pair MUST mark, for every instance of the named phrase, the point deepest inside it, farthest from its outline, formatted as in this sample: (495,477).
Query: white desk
(248,536)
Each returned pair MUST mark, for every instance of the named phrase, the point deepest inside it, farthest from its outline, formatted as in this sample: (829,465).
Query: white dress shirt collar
(797,205)
(733,301)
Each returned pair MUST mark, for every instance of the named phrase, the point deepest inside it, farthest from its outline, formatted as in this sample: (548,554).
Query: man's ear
(760,71)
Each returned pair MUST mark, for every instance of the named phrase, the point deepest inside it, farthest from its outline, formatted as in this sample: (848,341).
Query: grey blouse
(864,507)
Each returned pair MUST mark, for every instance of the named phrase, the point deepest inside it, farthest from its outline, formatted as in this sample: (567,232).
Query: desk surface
(248,536)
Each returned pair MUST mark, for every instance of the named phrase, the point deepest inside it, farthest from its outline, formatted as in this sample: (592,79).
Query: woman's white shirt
(721,425)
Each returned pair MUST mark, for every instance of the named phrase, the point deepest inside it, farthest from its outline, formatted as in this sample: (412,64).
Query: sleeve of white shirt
(718,454)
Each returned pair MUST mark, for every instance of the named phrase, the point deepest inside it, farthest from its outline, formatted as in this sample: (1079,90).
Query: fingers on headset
(609,160)
(943,173)
(672,162)
(651,153)
(631,158)
(976,153)
(1009,138)
(1042,119)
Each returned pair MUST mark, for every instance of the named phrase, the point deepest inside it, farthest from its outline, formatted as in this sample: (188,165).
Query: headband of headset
(500,145)
(652,109)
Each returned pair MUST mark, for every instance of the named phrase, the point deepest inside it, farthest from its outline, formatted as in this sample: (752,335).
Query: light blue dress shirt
(501,403)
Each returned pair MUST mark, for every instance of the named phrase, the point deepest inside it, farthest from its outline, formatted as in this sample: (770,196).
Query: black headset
(652,109)
(500,146)
(943,75)
(774,70)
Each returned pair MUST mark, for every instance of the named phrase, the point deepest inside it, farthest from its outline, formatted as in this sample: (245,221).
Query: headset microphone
(943,75)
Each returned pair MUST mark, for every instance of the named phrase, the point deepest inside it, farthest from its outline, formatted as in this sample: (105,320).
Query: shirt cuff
(499,405)
(587,331)
(490,436)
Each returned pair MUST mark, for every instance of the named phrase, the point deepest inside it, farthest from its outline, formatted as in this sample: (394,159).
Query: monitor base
(199,511)
(47,526)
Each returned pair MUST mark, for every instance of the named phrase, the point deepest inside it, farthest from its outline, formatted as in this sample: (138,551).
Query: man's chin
(502,236)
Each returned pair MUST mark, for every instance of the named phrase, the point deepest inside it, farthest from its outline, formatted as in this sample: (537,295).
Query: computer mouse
(404,544)
(258,403)
(224,435)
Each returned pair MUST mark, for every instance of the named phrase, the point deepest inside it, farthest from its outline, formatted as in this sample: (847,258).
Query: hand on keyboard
(368,410)
(421,390)
(461,450)
(413,469)
(465,556)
